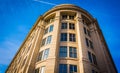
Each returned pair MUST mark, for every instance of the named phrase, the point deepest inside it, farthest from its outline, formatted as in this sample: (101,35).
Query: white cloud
(45,2)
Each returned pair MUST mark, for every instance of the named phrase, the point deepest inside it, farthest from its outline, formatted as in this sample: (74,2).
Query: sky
(18,16)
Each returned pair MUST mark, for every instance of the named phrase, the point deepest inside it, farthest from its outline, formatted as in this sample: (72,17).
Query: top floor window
(71,17)
(64,16)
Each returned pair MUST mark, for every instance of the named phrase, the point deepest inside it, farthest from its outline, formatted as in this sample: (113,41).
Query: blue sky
(18,16)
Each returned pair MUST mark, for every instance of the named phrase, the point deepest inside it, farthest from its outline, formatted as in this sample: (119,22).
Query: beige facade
(66,39)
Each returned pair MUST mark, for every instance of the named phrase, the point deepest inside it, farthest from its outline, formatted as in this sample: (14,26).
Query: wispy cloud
(49,3)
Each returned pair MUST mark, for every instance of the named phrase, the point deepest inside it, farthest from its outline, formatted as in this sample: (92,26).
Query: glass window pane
(64,16)
(51,28)
(87,42)
(49,40)
(62,68)
(46,52)
(64,26)
(72,37)
(63,37)
(72,52)
(46,31)
(63,51)
(71,26)
(73,68)
(42,70)
(40,56)
(89,56)
(37,70)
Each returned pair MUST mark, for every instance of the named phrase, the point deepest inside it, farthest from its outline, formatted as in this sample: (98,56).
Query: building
(66,39)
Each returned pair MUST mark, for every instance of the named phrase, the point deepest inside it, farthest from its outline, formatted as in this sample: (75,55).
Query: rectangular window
(73,68)
(87,42)
(64,26)
(49,39)
(89,56)
(88,33)
(46,53)
(71,26)
(73,52)
(46,31)
(63,37)
(62,68)
(37,70)
(71,17)
(43,42)
(85,30)
(51,28)
(94,59)
(63,51)
(42,69)
(72,37)
(64,16)
(40,56)
(91,45)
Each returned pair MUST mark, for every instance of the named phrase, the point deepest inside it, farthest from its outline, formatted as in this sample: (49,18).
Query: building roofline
(68,7)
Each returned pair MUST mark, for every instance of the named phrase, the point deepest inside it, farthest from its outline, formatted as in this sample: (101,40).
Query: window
(87,42)
(63,51)
(62,68)
(89,56)
(63,37)
(71,17)
(71,26)
(37,70)
(43,55)
(85,30)
(94,59)
(42,69)
(64,16)
(46,52)
(73,68)
(91,45)
(72,52)
(51,28)
(88,33)
(46,31)
(64,26)
(72,37)
(93,71)
(49,39)
(40,56)
(43,42)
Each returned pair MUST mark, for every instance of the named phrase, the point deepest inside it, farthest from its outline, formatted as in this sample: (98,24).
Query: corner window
(72,52)
(63,37)
(63,51)
(51,28)
(62,68)
(64,26)
(71,26)
(73,68)
(91,45)
(72,37)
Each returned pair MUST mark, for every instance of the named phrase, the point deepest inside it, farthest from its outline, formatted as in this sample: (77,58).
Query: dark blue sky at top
(18,16)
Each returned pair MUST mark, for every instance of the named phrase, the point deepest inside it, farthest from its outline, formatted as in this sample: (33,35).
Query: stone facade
(66,39)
